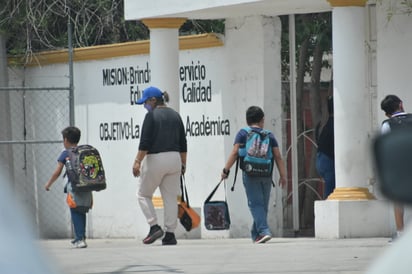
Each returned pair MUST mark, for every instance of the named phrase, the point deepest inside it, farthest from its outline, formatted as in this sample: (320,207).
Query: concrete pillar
(351,210)
(350,94)
(164,55)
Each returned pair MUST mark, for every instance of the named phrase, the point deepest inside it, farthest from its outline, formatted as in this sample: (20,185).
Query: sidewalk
(280,255)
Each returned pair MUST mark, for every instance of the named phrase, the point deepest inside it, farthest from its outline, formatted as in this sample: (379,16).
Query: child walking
(78,202)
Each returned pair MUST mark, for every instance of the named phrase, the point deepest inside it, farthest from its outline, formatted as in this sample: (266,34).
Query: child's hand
(47,187)
(225,173)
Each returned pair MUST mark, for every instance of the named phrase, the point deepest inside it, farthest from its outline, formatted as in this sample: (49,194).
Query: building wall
(231,78)
(394,57)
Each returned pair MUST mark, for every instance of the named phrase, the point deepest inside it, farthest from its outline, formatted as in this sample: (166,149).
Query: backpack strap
(267,132)
(248,130)
(271,174)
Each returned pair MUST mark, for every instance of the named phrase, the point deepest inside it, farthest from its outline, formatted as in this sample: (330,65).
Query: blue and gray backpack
(256,155)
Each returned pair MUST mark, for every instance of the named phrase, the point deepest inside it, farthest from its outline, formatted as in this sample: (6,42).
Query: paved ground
(280,255)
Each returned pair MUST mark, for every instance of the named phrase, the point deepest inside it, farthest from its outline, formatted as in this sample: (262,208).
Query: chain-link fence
(31,121)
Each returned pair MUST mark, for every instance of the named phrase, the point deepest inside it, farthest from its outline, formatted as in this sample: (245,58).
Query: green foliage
(315,28)
(33,26)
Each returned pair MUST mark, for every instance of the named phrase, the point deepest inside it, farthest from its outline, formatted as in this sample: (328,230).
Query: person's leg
(79,225)
(150,179)
(254,232)
(326,169)
(266,188)
(258,193)
(170,189)
(399,213)
(329,177)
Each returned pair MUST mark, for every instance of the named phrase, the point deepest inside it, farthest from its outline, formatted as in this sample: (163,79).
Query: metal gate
(31,121)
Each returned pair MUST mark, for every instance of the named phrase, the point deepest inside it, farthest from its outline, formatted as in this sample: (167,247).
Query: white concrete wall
(394,58)
(234,78)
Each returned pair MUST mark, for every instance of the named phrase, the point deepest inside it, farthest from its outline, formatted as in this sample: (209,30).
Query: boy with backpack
(78,202)
(257,150)
(397,118)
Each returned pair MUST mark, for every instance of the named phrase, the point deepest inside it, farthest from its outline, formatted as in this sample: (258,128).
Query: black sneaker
(169,239)
(155,233)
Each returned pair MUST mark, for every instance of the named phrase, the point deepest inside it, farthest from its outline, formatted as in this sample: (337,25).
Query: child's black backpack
(400,121)
(85,170)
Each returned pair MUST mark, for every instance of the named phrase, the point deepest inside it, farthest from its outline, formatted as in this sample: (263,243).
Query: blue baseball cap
(149,93)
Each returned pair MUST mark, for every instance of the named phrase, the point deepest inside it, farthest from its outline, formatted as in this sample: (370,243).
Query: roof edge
(113,50)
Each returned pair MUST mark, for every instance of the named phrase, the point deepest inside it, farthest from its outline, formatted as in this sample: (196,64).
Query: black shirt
(326,139)
(163,131)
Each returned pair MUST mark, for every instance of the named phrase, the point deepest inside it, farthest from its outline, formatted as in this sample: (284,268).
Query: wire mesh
(30,142)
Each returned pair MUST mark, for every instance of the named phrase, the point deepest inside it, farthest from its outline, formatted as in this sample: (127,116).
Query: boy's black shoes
(155,233)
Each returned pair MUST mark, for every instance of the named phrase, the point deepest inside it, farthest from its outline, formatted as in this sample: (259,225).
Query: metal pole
(71,86)
(293,115)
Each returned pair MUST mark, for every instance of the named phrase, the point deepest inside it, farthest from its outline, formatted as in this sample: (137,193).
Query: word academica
(207,127)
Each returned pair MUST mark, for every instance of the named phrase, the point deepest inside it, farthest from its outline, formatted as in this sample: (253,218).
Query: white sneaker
(80,244)
(396,236)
